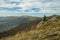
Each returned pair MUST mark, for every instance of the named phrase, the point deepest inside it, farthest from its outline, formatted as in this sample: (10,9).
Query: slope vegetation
(44,30)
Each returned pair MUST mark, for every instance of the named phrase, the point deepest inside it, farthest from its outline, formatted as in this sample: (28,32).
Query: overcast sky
(29,7)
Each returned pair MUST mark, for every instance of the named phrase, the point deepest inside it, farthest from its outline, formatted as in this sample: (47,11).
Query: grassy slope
(45,30)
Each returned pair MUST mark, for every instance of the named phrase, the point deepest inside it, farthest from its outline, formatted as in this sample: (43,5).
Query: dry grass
(45,30)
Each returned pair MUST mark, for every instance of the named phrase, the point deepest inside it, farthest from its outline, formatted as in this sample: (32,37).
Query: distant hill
(12,21)
(35,30)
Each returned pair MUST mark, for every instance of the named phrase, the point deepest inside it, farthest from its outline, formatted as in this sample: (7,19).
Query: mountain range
(12,21)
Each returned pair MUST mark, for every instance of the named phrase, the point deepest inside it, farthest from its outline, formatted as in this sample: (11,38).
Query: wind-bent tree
(44,18)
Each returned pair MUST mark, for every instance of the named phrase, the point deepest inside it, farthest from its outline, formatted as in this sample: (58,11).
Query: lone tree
(44,18)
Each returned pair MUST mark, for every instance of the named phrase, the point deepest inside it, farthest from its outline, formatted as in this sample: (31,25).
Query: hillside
(7,23)
(43,30)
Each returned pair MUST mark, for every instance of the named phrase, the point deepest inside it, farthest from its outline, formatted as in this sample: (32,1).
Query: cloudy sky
(29,7)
